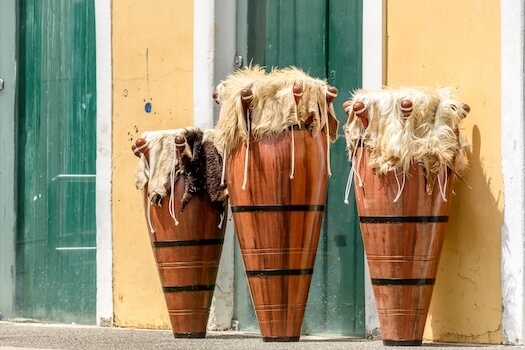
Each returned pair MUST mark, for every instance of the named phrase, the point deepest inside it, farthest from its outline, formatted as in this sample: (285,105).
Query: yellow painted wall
(457,43)
(429,43)
(152,62)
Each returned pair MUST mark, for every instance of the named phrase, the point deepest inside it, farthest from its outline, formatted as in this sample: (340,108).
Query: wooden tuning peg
(406,108)
(361,112)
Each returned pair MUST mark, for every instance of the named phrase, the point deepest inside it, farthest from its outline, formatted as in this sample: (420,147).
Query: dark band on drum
(189,335)
(416,342)
(403,281)
(264,208)
(284,272)
(194,288)
(187,243)
(280,339)
(402,219)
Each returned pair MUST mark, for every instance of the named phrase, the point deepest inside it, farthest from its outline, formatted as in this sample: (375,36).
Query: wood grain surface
(403,240)
(187,257)
(278,220)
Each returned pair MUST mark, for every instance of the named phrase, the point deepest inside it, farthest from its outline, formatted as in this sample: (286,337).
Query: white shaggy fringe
(429,136)
(273,108)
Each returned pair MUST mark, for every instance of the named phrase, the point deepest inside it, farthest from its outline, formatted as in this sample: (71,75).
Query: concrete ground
(26,336)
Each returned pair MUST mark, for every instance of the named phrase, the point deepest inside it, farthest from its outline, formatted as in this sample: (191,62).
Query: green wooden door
(56,230)
(324,39)
(7,154)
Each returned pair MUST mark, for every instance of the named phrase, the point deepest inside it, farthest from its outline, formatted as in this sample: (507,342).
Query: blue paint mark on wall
(147,106)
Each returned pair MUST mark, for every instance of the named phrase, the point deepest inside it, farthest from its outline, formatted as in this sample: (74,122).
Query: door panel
(7,152)
(295,35)
(324,39)
(56,240)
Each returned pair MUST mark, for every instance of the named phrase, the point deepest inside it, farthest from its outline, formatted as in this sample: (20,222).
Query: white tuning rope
(327,134)
(400,188)
(353,171)
(223,215)
(223,167)
(247,151)
(292,172)
(171,204)
(348,185)
(443,188)
(359,162)
(148,212)
(293,156)
(446,180)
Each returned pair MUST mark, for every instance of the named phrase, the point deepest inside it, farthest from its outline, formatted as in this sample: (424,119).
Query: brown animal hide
(201,170)
(192,168)
(199,165)
(217,192)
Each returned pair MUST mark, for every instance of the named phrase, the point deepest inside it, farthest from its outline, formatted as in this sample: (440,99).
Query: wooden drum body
(403,242)
(187,257)
(184,207)
(278,221)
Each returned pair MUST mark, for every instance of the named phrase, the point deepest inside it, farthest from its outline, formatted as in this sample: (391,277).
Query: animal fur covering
(273,108)
(199,165)
(429,135)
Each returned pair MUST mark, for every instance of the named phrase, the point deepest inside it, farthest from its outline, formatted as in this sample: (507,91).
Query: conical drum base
(403,231)
(187,257)
(278,221)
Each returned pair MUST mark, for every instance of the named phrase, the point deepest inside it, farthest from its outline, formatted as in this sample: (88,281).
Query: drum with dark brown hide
(186,226)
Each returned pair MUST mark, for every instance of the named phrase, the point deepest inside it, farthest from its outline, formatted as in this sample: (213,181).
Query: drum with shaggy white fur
(275,130)
(405,149)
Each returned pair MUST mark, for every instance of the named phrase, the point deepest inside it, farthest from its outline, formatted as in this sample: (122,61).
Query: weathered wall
(428,43)
(457,43)
(152,63)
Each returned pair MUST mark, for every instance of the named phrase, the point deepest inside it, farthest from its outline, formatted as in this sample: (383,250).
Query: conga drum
(185,222)
(277,181)
(403,193)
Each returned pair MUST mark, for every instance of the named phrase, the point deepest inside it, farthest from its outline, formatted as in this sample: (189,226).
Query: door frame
(8,15)
(374,78)
(512,154)
(213,56)
(104,308)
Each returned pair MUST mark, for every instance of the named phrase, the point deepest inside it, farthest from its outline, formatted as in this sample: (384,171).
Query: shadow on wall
(466,303)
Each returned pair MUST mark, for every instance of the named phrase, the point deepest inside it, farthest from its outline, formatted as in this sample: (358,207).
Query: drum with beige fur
(275,130)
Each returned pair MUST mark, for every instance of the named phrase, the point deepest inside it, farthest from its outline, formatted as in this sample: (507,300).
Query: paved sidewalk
(26,336)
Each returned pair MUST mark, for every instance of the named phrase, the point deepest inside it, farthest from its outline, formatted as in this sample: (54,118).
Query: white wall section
(103,164)
(213,54)
(512,146)
(374,27)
